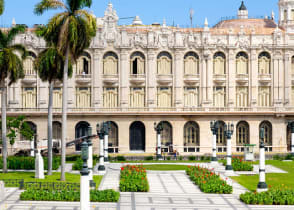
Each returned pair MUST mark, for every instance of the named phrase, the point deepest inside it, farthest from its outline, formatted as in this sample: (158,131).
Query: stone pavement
(168,190)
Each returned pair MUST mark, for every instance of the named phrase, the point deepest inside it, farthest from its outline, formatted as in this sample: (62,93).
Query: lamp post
(214,128)
(107,128)
(90,159)
(291,126)
(262,186)
(101,133)
(229,130)
(85,184)
(158,128)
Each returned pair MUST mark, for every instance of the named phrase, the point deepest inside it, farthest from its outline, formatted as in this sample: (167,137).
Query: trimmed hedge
(208,181)
(278,196)
(66,195)
(28,163)
(78,165)
(239,164)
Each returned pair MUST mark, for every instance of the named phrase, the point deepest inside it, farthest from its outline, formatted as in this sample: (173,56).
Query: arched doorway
(137,136)
(81,130)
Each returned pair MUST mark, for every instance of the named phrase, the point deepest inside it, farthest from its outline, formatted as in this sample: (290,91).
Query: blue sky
(174,11)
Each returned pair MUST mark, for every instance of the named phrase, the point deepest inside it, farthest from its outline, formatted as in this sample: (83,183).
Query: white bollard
(85,193)
(229,168)
(262,186)
(106,160)
(292,143)
(159,156)
(214,158)
(90,161)
(39,166)
(101,168)
(32,153)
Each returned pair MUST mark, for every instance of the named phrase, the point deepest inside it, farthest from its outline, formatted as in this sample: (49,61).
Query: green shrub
(277,157)
(148,158)
(180,157)
(72,157)
(168,158)
(67,195)
(133,179)
(208,181)
(120,158)
(28,163)
(238,164)
(289,157)
(191,158)
(78,165)
(277,196)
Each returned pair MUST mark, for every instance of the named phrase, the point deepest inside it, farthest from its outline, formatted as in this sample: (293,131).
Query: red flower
(122,168)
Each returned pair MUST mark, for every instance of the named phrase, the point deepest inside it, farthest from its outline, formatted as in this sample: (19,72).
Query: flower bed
(208,181)
(239,164)
(278,196)
(133,179)
(68,195)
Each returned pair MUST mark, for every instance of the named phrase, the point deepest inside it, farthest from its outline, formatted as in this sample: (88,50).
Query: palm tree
(49,65)
(71,31)
(11,68)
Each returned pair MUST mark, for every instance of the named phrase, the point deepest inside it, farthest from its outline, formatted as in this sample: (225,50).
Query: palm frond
(75,5)
(21,49)
(3,40)
(15,31)
(1,7)
(46,5)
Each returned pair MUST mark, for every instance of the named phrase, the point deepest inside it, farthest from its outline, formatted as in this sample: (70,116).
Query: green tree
(49,65)
(71,31)
(1,7)
(11,68)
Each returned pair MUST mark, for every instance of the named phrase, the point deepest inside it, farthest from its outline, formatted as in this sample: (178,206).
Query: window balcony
(190,79)
(110,79)
(164,79)
(219,78)
(242,79)
(137,79)
(265,78)
(30,79)
(83,79)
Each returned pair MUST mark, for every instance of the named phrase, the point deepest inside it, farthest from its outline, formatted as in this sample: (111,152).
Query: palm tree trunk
(64,115)
(3,116)
(50,116)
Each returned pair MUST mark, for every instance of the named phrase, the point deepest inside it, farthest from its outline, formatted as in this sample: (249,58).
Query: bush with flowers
(133,179)
(208,181)
(239,164)
(274,196)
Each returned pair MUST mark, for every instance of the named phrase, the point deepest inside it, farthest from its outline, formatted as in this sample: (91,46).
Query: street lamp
(101,132)
(214,125)
(291,126)
(229,130)
(85,184)
(107,128)
(262,186)
(158,128)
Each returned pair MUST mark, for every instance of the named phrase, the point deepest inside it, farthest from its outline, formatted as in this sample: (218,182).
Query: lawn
(163,161)
(164,167)
(273,180)
(30,177)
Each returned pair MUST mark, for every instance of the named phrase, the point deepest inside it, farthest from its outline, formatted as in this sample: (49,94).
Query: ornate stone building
(239,71)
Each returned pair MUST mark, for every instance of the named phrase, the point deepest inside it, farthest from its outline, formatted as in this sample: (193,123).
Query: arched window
(220,135)
(28,64)
(83,65)
(110,63)
(292,65)
(81,130)
(191,134)
(33,127)
(289,134)
(56,130)
(267,132)
(242,133)
(191,63)
(242,63)
(138,63)
(113,135)
(264,63)
(164,63)
(219,63)
(166,134)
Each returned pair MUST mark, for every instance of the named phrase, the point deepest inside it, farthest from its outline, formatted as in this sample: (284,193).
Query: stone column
(151,79)
(287,79)
(178,78)
(253,79)
(231,80)
(203,85)
(275,78)
(97,82)
(124,79)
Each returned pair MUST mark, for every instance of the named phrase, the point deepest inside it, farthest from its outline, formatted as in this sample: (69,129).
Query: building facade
(241,70)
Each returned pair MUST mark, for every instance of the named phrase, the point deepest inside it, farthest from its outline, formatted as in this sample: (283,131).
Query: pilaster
(253,80)
(178,79)
(97,82)
(151,79)
(124,79)
(231,83)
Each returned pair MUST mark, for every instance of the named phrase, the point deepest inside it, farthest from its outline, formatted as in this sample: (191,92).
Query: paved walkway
(168,190)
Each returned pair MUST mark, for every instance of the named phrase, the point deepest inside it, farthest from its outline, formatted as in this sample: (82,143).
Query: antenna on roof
(191,16)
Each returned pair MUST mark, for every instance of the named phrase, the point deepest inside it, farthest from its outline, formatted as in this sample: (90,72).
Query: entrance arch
(137,136)
(81,130)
